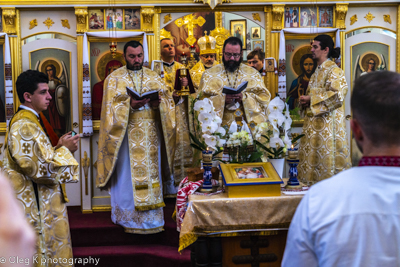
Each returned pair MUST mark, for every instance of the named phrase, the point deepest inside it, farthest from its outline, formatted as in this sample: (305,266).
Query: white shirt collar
(27,108)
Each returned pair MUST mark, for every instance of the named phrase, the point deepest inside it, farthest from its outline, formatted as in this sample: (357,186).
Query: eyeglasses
(207,56)
(229,55)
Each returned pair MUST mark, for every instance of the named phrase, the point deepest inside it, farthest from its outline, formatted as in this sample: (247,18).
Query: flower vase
(278,164)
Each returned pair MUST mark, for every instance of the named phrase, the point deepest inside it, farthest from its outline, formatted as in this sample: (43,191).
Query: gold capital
(9,15)
(147,15)
(277,17)
(212,3)
(341,12)
(81,19)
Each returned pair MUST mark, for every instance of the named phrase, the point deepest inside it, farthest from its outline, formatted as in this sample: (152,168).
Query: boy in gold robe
(37,170)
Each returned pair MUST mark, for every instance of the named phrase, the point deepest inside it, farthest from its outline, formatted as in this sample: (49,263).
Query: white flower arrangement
(210,124)
(276,130)
(242,138)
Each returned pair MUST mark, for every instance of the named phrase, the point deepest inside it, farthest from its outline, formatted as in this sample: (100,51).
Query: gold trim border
(365,27)
(49,32)
(351,57)
(101,208)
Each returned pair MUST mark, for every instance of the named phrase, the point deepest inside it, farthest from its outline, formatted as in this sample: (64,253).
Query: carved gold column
(147,18)
(276,25)
(81,14)
(151,25)
(81,27)
(11,26)
(398,40)
(270,76)
(341,12)
(277,14)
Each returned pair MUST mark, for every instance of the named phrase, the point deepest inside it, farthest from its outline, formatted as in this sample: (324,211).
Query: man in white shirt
(353,218)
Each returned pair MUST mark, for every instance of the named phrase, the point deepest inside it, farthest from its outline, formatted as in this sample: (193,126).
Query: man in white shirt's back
(353,218)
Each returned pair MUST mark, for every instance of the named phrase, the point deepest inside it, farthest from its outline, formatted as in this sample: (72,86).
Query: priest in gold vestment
(169,64)
(37,170)
(207,59)
(183,157)
(252,103)
(132,133)
(323,150)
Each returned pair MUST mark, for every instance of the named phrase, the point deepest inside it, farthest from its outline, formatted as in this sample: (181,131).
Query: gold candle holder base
(184,91)
(202,190)
(293,187)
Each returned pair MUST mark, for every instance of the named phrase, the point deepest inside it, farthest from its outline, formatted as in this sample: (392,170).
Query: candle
(293,152)
(207,156)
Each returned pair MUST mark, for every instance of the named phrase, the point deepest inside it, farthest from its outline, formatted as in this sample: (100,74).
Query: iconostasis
(71,45)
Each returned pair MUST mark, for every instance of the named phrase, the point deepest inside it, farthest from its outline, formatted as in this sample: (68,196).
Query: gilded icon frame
(241,25)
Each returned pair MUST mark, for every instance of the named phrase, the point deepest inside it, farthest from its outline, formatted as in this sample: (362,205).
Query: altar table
(220,216)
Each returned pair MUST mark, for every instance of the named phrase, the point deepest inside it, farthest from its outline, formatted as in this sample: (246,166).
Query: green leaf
(196,147)
(197,142)
(266,137)
(294,140)
(263,147)
(255,156)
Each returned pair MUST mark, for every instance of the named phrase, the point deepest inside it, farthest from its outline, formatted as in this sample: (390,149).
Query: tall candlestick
(293,161)
(207,175)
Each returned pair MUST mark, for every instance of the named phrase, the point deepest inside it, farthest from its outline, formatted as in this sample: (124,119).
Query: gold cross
(191,23)
(140,172)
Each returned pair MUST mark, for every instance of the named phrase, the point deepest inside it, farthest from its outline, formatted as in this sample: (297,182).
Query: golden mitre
(207,44)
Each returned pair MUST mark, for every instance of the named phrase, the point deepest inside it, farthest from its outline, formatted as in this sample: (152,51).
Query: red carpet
(94,236)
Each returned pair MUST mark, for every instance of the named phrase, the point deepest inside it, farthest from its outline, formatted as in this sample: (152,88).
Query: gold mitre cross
(190,22)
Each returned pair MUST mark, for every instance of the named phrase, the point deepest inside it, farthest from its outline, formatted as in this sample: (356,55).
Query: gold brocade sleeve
(212,88)
(114,118)
(168,122)
(256,100)
(328,98)
(30,152)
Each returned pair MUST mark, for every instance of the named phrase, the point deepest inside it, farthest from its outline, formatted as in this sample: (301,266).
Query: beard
(136,66)
(208,64)
(308,75)
(232,65)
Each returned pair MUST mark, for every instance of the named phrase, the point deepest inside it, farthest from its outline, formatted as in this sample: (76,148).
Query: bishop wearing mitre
(207,58)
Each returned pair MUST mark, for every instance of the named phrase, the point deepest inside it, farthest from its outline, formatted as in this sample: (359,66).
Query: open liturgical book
(152,95)
(232,91)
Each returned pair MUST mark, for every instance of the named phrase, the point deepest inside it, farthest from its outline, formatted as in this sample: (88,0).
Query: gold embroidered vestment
(183,157)
(31,160)
(255,97)
(324,151)
(197,71)
(118,118)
